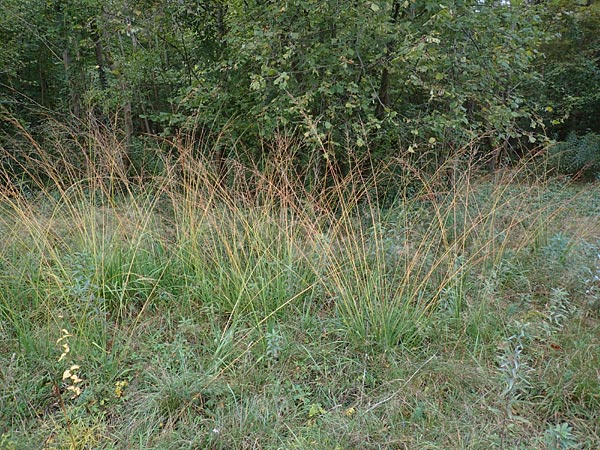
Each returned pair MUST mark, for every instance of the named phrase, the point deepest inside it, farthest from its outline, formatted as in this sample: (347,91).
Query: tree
(354,80)
(571,67)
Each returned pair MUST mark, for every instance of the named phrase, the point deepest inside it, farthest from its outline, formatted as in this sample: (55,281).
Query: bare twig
(385,400)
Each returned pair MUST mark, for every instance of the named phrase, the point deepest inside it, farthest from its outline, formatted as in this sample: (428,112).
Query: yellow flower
(119,386)
(350,412)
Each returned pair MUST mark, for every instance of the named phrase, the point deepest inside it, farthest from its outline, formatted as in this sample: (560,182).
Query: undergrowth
(201,310)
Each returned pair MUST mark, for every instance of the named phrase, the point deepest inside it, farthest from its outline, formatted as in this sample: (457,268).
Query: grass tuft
(232,307)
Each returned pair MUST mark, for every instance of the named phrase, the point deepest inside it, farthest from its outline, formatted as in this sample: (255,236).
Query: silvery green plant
(514,368)
(274,342)
(82,268)
(559,308)
(557,248)
(490,284)
(559,437)
(81,286)
(592,282)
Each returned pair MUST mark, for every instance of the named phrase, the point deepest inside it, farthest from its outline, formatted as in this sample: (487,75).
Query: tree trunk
(99,52)
(383,97)
(74,94)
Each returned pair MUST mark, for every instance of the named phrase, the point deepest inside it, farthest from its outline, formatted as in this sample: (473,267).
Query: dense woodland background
(347,80)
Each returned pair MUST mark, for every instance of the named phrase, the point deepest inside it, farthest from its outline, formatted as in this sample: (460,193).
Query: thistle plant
(274,342)
(559,308)
(592,282)
(513,368)
(559,437)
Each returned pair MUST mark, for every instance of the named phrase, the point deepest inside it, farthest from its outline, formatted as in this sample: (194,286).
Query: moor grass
(184,312)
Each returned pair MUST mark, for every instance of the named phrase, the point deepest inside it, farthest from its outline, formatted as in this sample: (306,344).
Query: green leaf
(315,410)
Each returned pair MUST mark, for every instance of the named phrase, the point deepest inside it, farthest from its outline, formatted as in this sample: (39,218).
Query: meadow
(187,311)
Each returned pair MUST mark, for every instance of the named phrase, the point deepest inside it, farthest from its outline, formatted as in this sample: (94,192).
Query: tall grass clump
(215,304)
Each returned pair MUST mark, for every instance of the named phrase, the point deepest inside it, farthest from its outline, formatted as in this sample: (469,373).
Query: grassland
(180,313)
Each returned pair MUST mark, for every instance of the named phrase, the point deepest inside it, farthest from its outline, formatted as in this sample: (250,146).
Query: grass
(184,312)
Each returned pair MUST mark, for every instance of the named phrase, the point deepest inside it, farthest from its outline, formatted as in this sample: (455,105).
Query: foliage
(578,155)
(179,312)
(560,437)
(571,68)
(375,75)
(386,78)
